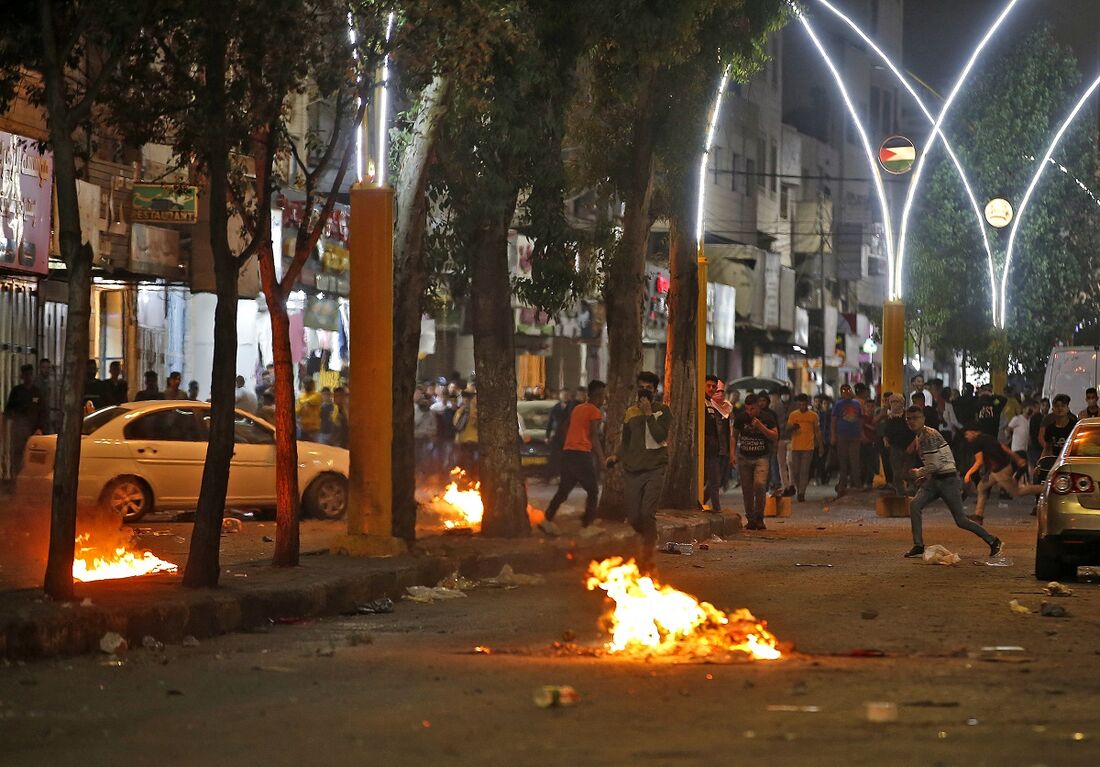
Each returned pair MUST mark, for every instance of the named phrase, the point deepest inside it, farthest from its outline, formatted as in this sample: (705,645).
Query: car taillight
(1065,483)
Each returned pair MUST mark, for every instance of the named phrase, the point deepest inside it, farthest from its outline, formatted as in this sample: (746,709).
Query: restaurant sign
(165,203)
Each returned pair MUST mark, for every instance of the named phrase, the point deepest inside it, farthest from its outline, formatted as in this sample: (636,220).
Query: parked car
(1071,370)
(145,456)
(1069,509)
(534,450)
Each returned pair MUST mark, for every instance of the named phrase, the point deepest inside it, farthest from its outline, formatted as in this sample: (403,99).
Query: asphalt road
(407,688)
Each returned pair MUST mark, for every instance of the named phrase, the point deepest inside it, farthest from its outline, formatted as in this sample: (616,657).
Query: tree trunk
(502,488)
(287,492)
(409,285)
(681,382)
(203,566)
(624,294)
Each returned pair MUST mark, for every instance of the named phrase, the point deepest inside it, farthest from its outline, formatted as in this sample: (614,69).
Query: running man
(988,451)
(939,479)
(581,444)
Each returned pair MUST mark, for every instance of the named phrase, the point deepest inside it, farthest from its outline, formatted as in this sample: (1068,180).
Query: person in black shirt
(151,390)
(756,434)
(999,459)
(1035,425)
(557,425)
(115,389)
(26,412)
(931,415)
(715,454)
(897,437)
(990,406)
(1092,410)
(1057,426)
(94,398)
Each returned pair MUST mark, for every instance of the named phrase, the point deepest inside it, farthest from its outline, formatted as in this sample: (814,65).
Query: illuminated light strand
(946,145)
(1081,184)
(872,161)
(712,127)
(353,38)
(1042,166)
(930,142)
(384,109)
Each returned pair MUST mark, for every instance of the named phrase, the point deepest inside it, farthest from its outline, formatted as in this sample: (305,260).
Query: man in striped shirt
(939,479)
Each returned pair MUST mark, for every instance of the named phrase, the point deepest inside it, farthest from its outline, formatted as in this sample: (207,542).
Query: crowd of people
(445,426)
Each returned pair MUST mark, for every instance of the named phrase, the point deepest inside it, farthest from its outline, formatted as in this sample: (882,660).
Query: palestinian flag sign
(897,155)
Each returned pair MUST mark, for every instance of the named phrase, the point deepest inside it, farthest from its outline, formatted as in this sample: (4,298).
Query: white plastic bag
(938,555)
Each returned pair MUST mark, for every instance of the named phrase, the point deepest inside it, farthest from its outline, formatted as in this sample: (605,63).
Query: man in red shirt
(582,442)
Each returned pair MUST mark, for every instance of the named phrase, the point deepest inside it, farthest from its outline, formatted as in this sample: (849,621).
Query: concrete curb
(32,627)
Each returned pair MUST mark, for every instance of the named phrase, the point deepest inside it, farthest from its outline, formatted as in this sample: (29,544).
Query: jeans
(754,485)
(801,461)
(712,480)
(577,468)
(950,490)
(847,456)
(1007,482)
(643,492)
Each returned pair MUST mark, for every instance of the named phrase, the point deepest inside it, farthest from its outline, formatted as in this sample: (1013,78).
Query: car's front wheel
(127,497)
(326,497)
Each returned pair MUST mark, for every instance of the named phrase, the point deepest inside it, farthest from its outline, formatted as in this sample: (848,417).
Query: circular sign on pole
(897,154)
(998,212)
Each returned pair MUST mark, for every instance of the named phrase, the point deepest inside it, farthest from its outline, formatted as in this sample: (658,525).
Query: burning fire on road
(95,562)
(648,619)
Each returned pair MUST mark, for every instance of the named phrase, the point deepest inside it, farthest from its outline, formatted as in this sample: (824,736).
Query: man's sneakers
(996,547)
(913,553)
(756,525)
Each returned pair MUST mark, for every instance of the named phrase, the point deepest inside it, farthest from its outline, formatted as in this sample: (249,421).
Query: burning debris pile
(649,619)
(458,507)
(102,557)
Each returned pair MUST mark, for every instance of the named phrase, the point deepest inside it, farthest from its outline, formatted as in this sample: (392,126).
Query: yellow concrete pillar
(893,347)
(370,487)
(700,368)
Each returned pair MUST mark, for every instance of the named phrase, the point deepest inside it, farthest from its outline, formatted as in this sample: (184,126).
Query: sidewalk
(255,593)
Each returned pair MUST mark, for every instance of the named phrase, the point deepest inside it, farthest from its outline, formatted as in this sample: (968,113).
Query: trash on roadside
(881,711)
(86,602)
(704,547)
(1004,654)
(428,594)
(113,643)
(1015,606)
(793,709)
(326,652)
(190,641)
(869,615)
(1001,561)
(457,581)
(716,539)
(811,564)
(267,539)
(1056,589)
(1052,610)
(374,607)
(555,696)
(939,555)
(151,643)
(232,525)
(510,579)
(672,547)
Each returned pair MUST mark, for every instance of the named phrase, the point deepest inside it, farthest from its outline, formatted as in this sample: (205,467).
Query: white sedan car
(145,456)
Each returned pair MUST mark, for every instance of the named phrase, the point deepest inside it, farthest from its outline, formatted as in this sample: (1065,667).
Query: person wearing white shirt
(244,398)
(1018,432)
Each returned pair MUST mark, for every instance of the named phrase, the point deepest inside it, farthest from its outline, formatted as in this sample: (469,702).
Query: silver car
(1069,508)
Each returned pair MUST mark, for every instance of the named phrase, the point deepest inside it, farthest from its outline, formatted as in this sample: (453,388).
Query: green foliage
(1005,120)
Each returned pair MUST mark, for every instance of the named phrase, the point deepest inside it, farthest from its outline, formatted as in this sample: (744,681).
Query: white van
(1071,370)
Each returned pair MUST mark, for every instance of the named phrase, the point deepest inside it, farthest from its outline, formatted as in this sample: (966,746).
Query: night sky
(939,34)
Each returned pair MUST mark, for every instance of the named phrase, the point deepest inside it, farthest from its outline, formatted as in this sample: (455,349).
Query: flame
(651,619)
(91,563)
(466,503)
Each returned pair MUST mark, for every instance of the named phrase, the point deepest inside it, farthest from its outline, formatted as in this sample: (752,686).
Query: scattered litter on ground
(939,555)
(190,641)
(112,643)
(793,709)
(510,579)
(1004,654)
(881,711)
(672,547)
(1001,561)
(457,581)
(1015,606)
(326,652)
(555,696)
(1052,610)
(428,594)
(811,564)
(374,607)
(151,643)
(704,547)
(716,539)
(86,602)
(232,525)
(869,615)
(267,539)
(1056,589)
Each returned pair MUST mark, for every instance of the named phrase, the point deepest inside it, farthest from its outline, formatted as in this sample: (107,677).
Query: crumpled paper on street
(510,579)
(431,593)
(1056,589)
(938,555)
(457,581)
